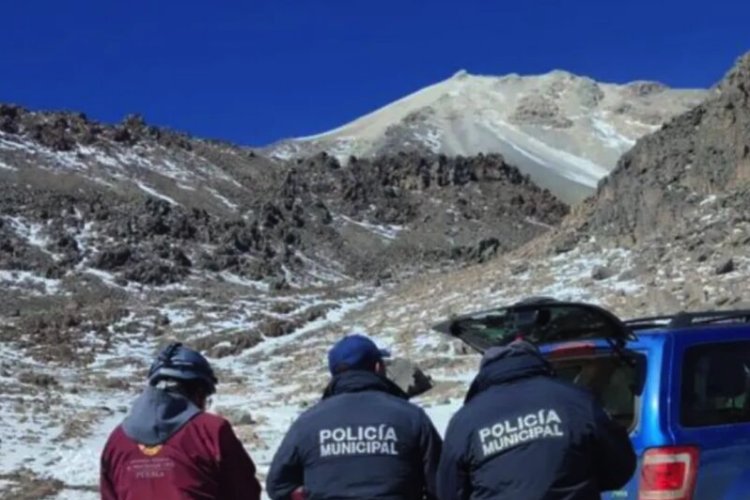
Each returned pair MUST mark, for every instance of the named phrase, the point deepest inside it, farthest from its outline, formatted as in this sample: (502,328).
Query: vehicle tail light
(572,349)
(669,473)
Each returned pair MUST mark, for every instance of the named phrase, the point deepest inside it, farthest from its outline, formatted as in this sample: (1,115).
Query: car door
(711,410)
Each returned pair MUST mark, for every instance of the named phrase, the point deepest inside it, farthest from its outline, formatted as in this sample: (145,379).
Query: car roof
(695,330)
(689,321)
(655,337)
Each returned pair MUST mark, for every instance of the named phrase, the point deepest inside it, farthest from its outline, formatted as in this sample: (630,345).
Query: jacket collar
(360,381)
(506,365)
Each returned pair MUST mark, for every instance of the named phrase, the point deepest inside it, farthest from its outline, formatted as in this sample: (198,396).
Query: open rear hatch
(540,321)
(613,374)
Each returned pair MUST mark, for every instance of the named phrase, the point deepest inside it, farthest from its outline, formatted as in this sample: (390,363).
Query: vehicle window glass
(540,324)
(716,384)
(615,385)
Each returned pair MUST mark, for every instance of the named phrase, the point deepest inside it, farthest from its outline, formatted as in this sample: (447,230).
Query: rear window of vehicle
(716,384)
(616,385)
(539,324)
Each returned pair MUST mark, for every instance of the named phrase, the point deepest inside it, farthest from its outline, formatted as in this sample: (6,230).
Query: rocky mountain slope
(700,154)
(151,207)
(565,131)
(105,224)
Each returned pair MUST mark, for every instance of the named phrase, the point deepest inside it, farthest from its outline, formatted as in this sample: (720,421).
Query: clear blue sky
(255,71)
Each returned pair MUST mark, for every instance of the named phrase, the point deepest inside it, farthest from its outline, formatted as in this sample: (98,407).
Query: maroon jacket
(202,459)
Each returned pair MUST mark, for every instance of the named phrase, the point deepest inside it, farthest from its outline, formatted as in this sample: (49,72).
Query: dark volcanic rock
(601,273)
(60,131)
(111,259)
(727,266)
(408,376)
(697,154)
(238,343)
(99,201)
(155,273)
(519,268)
(39,379)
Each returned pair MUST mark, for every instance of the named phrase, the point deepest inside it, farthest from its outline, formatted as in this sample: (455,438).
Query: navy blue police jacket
(524,435)
(362,440)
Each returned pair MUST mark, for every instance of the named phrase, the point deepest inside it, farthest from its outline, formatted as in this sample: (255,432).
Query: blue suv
(679,383)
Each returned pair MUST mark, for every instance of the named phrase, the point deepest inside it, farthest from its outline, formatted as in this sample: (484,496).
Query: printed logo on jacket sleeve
(542,424)
(358,440)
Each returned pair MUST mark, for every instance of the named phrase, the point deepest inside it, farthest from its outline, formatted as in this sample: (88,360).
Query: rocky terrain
(703,152)
(565,131)
(153,206)
(80,242)
(115,239)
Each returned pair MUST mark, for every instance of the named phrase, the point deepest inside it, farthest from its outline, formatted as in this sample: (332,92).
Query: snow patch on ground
(708,200)
(575,167)
(30,282)
(32,232)
(107,278)
(387,231)
(284,153)
(610,135)
(441,414)
(647,126)
(5,166)
(239,280)
(535,222)
(223,199)
(155,193)
(322,270)
(15,145)
(431,139)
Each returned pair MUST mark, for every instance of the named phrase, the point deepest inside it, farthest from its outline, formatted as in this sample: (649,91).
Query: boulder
(112,258)
(601,273)
(408,376)
(565,243)
(38,379)
(726,266)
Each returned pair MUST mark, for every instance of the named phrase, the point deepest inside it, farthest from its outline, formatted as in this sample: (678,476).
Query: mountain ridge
(179,205)
(564,130)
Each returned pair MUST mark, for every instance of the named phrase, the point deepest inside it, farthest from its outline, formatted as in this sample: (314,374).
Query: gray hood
(156,415)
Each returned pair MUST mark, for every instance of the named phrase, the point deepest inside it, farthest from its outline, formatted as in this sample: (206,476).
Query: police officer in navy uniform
(362,440)
(523,434)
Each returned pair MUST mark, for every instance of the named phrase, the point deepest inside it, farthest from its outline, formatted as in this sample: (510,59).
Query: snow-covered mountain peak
(461,73)
(566,131)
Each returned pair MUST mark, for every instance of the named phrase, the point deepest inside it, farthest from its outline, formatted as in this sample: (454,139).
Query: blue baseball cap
(355,352)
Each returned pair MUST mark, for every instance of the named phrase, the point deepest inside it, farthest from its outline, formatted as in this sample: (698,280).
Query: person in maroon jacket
(169,448)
